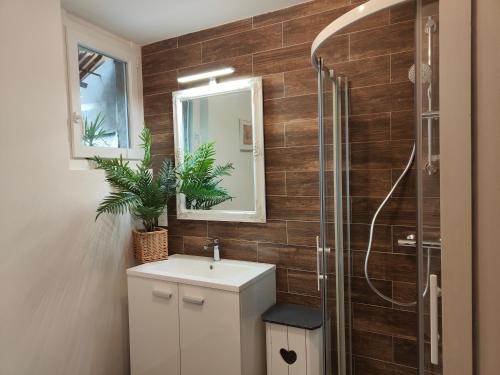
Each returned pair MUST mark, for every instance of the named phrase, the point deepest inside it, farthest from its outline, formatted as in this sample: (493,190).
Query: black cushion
(297,316)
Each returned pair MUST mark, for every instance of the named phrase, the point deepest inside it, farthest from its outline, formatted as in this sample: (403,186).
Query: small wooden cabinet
(293,351)
(182,329)
(294,340)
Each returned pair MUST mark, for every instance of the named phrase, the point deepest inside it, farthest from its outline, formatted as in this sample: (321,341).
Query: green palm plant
(93,130)
(137,191)
(200,178)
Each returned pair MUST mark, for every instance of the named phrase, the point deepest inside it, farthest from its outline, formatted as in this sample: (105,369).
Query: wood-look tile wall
(375,54)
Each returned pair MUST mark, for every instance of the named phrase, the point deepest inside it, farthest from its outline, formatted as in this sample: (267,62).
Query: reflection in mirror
(227,116)
(103,98)
(225,120)
(200,178)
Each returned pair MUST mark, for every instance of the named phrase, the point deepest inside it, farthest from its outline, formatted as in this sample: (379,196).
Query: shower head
(425,73)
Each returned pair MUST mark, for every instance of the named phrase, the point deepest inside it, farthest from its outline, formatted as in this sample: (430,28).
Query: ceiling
(147,21)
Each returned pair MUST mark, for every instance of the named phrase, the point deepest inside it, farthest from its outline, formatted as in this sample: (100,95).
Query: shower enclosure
(378,253)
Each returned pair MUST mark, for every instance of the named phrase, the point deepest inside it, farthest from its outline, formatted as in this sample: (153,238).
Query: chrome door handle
(317,261)
(162,293)
(193,300)
(320,250)
(435,293)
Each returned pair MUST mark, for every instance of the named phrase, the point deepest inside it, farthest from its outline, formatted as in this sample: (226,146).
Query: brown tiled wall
(375,54)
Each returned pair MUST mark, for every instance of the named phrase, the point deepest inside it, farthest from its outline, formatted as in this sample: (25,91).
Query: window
(104,91)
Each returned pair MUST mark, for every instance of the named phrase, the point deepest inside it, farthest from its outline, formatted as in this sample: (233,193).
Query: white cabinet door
(209,331)
(277,339)
(297,343)
(154,327)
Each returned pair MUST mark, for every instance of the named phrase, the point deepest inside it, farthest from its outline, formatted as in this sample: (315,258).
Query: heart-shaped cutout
(289,356)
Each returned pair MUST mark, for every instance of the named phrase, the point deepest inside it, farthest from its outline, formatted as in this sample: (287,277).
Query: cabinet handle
(162,294)
(193,300)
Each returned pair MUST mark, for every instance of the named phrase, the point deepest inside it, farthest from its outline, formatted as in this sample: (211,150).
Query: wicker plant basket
(150,246)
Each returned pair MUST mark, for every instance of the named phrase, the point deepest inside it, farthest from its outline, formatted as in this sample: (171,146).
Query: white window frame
(81,33)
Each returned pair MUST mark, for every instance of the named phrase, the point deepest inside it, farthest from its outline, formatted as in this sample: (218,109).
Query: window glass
(103,99)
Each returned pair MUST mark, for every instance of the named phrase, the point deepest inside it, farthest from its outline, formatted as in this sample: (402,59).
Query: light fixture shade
(206,75)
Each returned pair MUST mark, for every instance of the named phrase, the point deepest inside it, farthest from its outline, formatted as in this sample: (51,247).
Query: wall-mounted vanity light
(212,75)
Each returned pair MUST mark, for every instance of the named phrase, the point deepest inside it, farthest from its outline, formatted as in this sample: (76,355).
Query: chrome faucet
(213,243)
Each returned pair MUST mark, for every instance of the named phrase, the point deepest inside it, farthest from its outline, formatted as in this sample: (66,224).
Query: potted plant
(144,195)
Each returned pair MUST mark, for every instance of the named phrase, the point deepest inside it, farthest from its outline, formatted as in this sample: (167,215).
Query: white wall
(486,81)
(62,276)
(225,111)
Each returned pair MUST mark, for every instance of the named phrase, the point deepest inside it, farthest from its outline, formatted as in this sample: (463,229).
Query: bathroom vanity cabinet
(195,324)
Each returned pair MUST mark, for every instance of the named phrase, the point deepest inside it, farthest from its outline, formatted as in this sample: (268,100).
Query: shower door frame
(323,251)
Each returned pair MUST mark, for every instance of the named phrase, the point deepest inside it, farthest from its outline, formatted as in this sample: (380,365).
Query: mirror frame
(254,85)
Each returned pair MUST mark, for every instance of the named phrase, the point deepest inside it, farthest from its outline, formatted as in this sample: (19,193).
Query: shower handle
(435,293)
(319,250)
(317,261)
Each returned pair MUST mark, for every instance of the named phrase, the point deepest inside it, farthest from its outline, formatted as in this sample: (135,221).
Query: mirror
(220,126)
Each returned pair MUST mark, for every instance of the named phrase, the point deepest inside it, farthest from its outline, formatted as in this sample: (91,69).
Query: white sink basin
(231,275)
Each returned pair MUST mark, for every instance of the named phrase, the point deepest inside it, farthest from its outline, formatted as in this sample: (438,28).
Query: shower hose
(370,241)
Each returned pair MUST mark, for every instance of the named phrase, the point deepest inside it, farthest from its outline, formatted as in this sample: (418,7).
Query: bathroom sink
(231,275)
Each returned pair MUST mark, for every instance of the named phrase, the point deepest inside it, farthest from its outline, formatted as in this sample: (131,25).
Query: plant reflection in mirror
(199,178)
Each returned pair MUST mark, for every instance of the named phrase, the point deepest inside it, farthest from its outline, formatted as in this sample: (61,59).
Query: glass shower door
(428,188)
(403,290)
